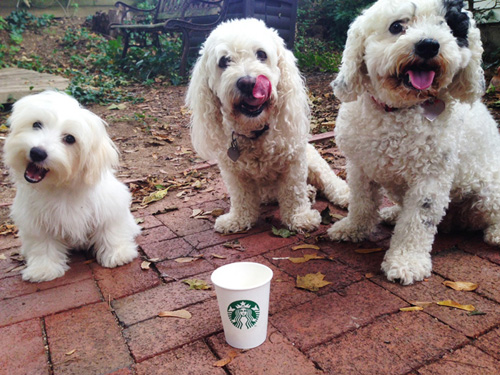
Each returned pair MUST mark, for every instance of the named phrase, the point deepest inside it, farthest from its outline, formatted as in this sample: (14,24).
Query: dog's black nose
(427,48)
(38,154)
(246,84)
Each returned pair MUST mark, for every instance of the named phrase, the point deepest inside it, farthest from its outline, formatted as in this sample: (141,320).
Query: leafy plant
(321,31)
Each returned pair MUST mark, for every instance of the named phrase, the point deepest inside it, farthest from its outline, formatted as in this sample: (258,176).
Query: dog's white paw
(492,235)
(231,223)
(117,256)
(305,221)
(43,270)
(345,230)
(389,215)
(407,268)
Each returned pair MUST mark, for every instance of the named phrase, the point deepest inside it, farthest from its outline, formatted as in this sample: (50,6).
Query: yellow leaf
(305,246)
(456,305)
(225,361)
(312,281)
(368,251)
(305,258)
(461,285)
(183,314)
(156,196)
(196,284)
(412,308)
(421,304)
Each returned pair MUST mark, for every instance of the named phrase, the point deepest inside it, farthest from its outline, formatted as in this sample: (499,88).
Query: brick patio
(105,321)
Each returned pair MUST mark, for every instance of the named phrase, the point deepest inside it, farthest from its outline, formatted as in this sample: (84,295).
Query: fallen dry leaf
(450,303)
(3,257)
(183,314)
(421,304)
(197,284)
(368,251)
(461,285)
(196,212)
(217,256)
(312,281)
(71,352)
(156,196)
(225,361)
(217,212)
(187,259)
(305,246)
(145,265)
(412,308)
(305,258)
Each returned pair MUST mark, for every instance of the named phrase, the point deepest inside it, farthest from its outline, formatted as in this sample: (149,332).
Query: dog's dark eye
(69,139)
(396,28)
(261,55)
(224,62)
(37,125)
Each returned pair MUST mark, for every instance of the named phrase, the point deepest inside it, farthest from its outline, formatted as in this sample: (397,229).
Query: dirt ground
(153,135)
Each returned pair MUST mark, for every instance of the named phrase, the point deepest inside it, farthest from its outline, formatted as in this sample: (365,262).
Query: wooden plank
(17,83)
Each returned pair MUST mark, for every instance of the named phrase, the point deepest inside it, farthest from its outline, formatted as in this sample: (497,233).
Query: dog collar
(432,108)
(234,151)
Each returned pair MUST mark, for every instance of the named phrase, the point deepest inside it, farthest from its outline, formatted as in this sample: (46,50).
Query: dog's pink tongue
(421,80)
(261,90)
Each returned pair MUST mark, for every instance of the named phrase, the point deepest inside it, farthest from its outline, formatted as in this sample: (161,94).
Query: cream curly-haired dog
(62,162)
(250,112)
(411,122)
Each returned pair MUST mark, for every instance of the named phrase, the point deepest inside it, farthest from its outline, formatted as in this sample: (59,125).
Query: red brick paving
(109,317)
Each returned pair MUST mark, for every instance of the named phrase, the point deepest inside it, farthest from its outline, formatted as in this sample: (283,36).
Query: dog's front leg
(114,243)
(293,199)
(364,200)
(45,258)
(408,258)
(245,204)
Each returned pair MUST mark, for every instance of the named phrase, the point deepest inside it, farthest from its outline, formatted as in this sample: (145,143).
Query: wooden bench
(189,17)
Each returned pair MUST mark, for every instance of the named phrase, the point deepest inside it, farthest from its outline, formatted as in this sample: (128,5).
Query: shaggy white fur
(247,96)
(61,160)
(412,123)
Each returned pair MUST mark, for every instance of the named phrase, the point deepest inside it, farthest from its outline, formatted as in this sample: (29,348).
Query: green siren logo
(243,313)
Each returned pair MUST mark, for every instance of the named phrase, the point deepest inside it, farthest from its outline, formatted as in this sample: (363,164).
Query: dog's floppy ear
(468,84)
(352,77)
(291,93)
(204,105)
(100,153)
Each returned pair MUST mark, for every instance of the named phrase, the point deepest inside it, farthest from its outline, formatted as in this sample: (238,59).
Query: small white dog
(412,123)
(61,160)
(250,112)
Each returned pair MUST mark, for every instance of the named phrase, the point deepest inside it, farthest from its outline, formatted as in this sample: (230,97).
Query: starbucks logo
(243,313)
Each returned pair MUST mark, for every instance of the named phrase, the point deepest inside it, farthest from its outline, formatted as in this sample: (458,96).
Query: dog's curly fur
(386,84)
(274,155)
(62,161)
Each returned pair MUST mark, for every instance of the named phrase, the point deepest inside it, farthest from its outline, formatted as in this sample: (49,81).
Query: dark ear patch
(457,20)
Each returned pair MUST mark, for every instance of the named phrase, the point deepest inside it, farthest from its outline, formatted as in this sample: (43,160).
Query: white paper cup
(243,295)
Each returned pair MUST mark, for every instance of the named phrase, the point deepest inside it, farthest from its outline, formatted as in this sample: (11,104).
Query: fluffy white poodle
(250,112)
(412,123)
(61,160)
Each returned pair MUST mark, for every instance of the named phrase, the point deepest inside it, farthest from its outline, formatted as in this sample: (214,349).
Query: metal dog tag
(233,152)
(432,109)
